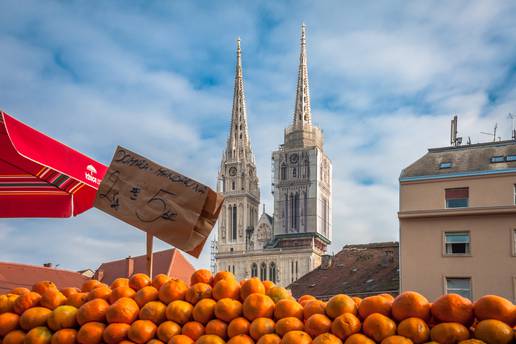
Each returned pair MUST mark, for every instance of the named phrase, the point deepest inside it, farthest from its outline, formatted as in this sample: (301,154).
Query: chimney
(100,274)
(130,266)
(47,265)
(326,261)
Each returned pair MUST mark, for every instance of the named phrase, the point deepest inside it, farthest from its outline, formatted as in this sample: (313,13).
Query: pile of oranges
(219,309)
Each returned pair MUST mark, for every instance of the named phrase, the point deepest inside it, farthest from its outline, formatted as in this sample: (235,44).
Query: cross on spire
(302,111)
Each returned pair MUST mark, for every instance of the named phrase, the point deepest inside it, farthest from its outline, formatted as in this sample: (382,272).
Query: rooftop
(475,159)
(357,270)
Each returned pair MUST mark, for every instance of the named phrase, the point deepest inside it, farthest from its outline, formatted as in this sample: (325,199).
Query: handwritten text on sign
(170,206)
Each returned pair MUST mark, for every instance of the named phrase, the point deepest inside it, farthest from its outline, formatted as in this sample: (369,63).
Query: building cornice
(472,211)
(456,175)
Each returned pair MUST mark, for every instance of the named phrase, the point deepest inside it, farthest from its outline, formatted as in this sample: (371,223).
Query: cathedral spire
(239,146)
(302,111)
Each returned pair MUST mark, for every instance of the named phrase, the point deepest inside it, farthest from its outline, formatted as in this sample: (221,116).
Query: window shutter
(457,193)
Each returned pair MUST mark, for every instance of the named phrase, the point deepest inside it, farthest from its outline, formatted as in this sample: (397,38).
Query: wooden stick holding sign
(159,201)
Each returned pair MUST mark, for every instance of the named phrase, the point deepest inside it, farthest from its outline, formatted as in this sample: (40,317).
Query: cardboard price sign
(159,201)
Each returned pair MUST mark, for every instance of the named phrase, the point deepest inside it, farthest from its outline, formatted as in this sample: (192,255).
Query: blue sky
(157,77)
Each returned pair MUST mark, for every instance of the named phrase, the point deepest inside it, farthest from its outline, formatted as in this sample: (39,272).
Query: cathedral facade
(290,243)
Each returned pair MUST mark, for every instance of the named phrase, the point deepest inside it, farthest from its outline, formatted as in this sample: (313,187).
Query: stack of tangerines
(216,309)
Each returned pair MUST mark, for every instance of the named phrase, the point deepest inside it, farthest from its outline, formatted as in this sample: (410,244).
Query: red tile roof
(357,270)
(169,262)
(14,275)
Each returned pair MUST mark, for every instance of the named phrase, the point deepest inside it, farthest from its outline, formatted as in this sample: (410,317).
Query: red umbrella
(41,177)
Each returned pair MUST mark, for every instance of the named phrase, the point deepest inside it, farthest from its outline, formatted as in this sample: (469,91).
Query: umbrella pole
(149,254)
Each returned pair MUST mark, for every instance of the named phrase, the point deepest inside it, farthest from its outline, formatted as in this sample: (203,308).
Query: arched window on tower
(234,223)
(283,171)
(296,211)
(263,271)
(233,185)
(305,207)
(286,212)
(307,169)
(272,272)
(294,172)
(254,270)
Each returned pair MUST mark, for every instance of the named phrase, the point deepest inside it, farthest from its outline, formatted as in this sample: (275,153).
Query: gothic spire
(302,111)
(239,146)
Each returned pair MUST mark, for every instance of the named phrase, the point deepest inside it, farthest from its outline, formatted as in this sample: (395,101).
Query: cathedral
(290,243)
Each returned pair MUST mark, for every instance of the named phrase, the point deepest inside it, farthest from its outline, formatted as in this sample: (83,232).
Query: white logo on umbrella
(92,169)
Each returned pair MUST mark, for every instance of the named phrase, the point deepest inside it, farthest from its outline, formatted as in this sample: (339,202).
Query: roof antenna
(469,140)
(493,134)
(511,116)
(454,140)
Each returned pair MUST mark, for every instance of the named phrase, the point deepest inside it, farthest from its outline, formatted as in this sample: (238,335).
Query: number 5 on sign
(159,201)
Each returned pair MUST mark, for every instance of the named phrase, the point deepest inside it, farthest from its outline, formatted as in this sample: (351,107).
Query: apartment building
(458,221)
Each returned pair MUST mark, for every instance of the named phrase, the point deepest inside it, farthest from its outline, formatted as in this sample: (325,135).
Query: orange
(270,338)
(120,282)
(453,308)
(179,311)
(7,302)
(154,341)
(89,285)
(289,324)
(296,337)
(449,333)
(77,300)
(222,275)
(317,324)
(258,306)
(359,338)
(154,311)
(19,291)
(146,294)
(375,304)
(197,292)
(138,281)
(306,298)
(91,333)
(126,341)
(357,300)
(101,292)
(201,276)
(216,327)
(209,339)
(340,304)
(124,310)
(268,285)
(159,280)
(62,317)
(228,309)
(494,331)
(204,310)
(312,307)
(180,339)
(142,331)
(64,336)
(14,337)
(260,327)
(415,329)
(193,329)
(410,304)
(251,286)
(345,325)
(494,307)
(238,326)
(34,317)
(240,339)
(70,291)
(288,308)
(377,326)
(278,293)
(326,338)
(26,301)
(468,341)
(115,333)
(396,340)
(42,286)
(38,335)
(226,288)
(52,298)
(8,323)
(172,290)
(167,330)
(94,310)
(119,292)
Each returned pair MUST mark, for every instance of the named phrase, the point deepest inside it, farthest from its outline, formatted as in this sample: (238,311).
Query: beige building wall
(490,220)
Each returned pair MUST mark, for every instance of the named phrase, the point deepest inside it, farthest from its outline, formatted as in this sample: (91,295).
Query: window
(254,270)
(286,212)
(272,272)
(263,272)
(510,158)
(296,271)
(294,172)
(456,243)
(283,172)
(513,242)
(233,223)
(459,285)
(498,158)
(515,194)
(233,185)
(443,165)
(457,197)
